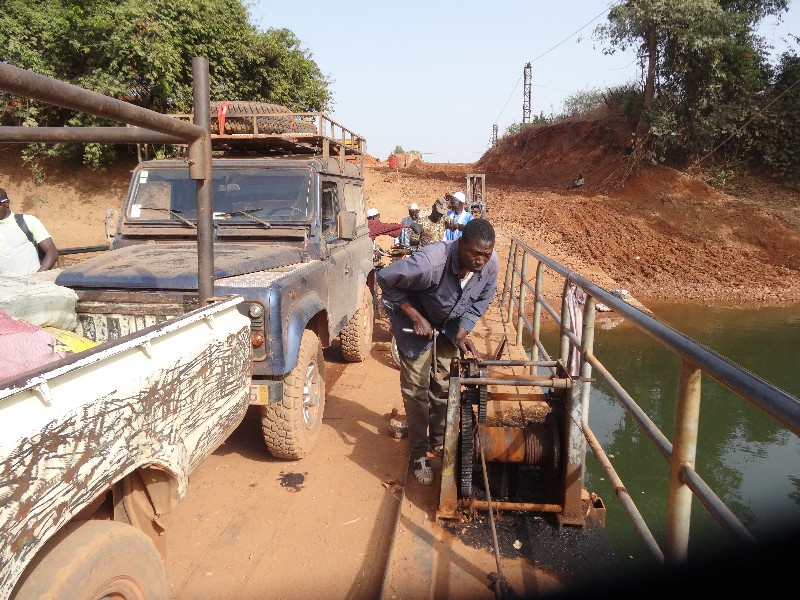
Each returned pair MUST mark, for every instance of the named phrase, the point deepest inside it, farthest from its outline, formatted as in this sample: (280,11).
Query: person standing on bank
(458,216)
(442,289)
(25,245)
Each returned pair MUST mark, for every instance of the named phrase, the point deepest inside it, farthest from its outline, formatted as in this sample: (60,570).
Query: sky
(436,76)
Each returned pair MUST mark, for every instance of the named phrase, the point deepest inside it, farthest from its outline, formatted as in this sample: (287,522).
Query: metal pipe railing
(685,483)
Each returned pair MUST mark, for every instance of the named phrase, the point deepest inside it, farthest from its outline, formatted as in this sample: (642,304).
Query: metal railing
(685,483)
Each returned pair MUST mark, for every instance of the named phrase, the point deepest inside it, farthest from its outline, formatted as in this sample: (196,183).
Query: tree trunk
(650,80)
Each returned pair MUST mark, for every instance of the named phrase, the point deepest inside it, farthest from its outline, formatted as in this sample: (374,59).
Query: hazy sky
(435,76)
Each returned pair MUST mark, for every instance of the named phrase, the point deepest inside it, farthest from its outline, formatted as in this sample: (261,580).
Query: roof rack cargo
(283,133)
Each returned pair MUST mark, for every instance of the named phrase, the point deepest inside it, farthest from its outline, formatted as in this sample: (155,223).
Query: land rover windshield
(239,194)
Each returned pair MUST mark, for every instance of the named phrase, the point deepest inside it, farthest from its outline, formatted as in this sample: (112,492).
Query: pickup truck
(290,237)
(96,449)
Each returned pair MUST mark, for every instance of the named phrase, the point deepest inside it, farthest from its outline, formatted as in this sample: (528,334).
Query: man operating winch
(439,292)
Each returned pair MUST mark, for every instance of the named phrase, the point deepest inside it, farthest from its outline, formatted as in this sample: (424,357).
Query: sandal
(423,471)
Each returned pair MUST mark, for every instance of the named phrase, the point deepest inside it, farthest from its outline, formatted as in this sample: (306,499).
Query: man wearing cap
(457,215)
(23,239)
(408,237)
(435,224)
(378,227)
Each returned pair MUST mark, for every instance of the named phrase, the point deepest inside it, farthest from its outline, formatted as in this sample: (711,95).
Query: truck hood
(172,266)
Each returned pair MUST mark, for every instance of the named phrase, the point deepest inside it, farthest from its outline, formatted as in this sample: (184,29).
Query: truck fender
(301,314)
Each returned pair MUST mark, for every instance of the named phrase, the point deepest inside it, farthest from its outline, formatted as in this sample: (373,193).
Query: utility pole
(494,134)
(526,95)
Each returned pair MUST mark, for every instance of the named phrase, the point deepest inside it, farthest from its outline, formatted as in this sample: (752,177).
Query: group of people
(445,222)
(25,245)
(440,290)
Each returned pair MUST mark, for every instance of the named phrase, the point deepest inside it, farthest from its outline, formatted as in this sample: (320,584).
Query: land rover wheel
(356,336)
(236,123)
(90,560)
(291,427)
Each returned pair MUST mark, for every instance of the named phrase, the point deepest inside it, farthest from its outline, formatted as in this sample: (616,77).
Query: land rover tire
(291,427)
(235,123)
(356,336)
(88,560)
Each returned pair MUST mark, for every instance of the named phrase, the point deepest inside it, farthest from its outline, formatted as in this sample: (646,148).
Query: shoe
(423,471)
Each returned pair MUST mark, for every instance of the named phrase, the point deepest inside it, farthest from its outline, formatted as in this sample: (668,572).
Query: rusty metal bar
(684,452)
(448,490)
(510,275)
(38,87)
(715,506)
(516,363)
(502,505)
(101,135)
(523,278)
(628,505)
(537,312)
(540,381)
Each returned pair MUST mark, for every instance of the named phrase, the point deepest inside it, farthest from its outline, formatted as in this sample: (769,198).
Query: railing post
(564,344)
(200,171)
(684,452)
(537,312)
(523,278)
(587,348)
(507,278)
(512,265)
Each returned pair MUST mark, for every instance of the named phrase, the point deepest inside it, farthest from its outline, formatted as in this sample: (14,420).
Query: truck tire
(237,124)
(356,336)
(291,427)
(89,560)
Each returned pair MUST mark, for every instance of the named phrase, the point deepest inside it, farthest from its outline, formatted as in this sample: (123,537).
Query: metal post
(684,452)
(523,278)
(564,344)
(537,311)
(200,170)
(509,267)
(512,267)
(587,348)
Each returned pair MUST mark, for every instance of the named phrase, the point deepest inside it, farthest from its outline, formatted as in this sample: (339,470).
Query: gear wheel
(467,449)
(483,397)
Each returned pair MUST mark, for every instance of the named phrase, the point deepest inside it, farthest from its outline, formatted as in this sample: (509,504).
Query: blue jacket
(429,280)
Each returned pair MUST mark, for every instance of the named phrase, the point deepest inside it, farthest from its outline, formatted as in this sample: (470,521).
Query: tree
(701,59)
(141,51)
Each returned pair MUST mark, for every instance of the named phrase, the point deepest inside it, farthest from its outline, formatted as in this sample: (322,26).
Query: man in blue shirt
(442,289)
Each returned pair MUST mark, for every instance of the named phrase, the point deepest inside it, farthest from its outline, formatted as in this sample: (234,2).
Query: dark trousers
(424,398)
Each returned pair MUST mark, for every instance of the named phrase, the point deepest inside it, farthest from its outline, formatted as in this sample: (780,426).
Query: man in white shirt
(20,249)
(457,215)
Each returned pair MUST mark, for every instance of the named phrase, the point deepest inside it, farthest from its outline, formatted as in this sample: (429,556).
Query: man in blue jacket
(442,289)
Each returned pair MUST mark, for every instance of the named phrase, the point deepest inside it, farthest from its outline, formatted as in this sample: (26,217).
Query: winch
(528,438)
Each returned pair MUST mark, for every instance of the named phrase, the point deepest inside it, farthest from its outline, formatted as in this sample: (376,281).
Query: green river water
(749,461)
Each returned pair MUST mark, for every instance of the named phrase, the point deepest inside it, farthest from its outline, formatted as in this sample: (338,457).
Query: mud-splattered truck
(289,236)
(96,449)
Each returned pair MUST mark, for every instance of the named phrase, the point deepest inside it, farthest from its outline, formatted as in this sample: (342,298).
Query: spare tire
(305,126)
(234,123)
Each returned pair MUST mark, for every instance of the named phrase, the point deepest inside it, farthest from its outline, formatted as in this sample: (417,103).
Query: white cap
(460,197)
(413,206)
(371,212)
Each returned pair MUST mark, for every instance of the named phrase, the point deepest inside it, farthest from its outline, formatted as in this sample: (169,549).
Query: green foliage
(140,51)
(398,149)
(707,76)
(582,103)
(513,128)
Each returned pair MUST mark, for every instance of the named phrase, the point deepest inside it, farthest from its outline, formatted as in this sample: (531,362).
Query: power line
(576,32)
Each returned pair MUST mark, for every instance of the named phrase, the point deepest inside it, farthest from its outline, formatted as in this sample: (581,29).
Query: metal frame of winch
(555,443)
